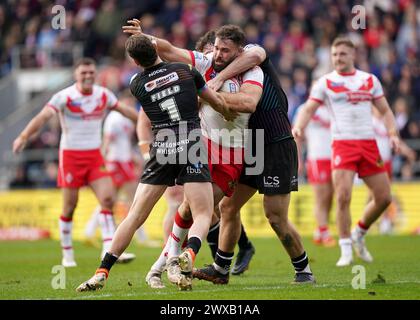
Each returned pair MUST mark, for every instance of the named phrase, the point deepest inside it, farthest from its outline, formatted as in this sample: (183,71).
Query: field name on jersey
(159,82)
(165,93)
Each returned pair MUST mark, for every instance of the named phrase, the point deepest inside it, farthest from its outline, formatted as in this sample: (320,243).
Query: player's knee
(228,209)
(383,199)
(184,210)
(108,202)
(344,198)
(274,218)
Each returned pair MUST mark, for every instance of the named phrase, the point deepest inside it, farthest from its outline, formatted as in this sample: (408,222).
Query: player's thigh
(276,207)
(379,186)
(199,196)
(129,188)
(323,192)
(343,184)
(232,205)
(144,200)
(104,190)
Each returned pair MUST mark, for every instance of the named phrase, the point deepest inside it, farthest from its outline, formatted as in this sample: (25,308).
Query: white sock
(345,245)
(106,221)
(179,232)
(160,263)
(361,232)
(93,223)
(66,226)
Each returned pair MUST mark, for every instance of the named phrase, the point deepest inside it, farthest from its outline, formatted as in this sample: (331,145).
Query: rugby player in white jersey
(81,109)
(349,94)
(318,170)
(226,154)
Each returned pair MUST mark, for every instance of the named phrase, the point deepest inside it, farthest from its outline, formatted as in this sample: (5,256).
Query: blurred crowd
(297,35)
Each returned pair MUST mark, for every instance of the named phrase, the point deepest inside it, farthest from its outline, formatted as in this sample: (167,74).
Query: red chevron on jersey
(337,87)
(368,85)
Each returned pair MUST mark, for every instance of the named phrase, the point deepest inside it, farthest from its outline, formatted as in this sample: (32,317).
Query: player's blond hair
(343,41)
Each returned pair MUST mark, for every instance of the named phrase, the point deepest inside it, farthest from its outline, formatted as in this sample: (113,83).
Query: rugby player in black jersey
(168,95)
(279,177)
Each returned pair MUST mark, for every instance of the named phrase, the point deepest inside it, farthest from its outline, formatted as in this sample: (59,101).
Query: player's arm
(33,126)
(248,59)
(245,100)
(144,134)
(304,115)
(389,121)
(166,50)
(217,102)
(106,140)
(407,152)
(127,111)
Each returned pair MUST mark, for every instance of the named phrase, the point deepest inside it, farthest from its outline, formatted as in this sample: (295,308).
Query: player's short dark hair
(233,33)
(343,41)
(141,49)
(207,38)
(85,61)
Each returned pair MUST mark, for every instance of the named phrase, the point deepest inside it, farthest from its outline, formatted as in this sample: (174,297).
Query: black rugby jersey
(168,94)
(271,112)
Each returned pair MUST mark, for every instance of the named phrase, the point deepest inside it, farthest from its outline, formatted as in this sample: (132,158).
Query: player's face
(224,52)
(85,76)
(342,58)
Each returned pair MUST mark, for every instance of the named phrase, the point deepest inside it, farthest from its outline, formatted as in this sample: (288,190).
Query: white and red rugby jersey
(318,135)
(81,116)
(120,131)
(349,99)
(382,139)
(212,122)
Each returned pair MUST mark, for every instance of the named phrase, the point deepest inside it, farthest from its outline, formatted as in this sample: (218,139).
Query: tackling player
(168,95)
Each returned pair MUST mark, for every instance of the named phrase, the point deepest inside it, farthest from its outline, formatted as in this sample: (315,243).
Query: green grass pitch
(26,273)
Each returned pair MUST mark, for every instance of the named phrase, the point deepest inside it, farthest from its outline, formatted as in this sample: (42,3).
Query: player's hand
(395,143)
(19,144)
(297,133)
(215,83)
(133,27)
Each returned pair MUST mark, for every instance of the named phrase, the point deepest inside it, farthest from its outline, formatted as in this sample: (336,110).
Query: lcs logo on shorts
(380,163)
(195,168)
(271,181)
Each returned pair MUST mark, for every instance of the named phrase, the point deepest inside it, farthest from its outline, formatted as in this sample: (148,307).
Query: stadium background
(36,59)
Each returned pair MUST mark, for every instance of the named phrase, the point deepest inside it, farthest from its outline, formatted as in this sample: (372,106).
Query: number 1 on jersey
(170,106)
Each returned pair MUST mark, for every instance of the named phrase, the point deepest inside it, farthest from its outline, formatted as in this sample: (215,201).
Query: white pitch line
(165,293)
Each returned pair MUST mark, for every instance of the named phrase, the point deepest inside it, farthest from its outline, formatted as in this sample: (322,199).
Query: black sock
(213,238)
(194,243)
(108,261)
(223,260)
(300,262)
(243,242)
